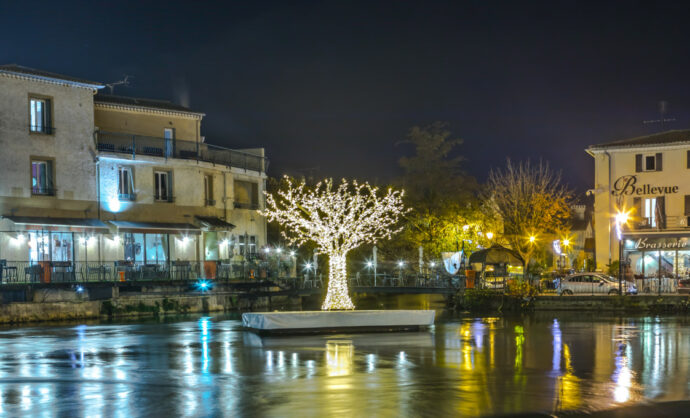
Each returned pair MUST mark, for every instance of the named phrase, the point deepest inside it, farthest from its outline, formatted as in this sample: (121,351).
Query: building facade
(648,179)
(101,184)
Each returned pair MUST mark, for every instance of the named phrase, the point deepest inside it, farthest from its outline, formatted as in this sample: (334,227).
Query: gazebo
(496,265)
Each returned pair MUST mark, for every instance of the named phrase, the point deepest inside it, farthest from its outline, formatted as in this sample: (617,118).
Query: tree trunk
(338,297)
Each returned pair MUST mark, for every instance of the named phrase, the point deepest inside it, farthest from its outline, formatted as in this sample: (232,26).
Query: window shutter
(661,212)
(50,184)
(688,163)
(255,195)
(638,163)
(48,109)
(658,161)
(637,204)
(687,205)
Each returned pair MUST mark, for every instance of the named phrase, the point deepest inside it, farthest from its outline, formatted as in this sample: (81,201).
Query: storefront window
(211,246)
(651,264)
(134,247)
(684,264)
(62,246)
(39,246)
(156,248)
(668,264)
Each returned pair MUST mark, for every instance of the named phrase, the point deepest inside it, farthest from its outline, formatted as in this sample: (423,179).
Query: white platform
(336,321)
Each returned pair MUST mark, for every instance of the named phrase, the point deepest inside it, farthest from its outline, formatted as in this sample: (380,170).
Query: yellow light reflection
(568,393)
(339,357)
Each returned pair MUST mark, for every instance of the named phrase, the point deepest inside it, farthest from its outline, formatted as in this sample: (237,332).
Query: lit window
(162,190)
(650,211)
(125,183)
(42,177)
(40,115)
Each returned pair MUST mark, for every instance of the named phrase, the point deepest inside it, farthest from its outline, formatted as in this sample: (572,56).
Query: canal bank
(491,301)
(37,303)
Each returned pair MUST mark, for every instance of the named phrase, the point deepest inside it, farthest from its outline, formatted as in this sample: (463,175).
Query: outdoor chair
(33,273)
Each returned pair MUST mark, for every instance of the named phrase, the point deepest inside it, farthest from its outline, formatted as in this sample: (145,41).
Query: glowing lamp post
(622,218)
(338,219)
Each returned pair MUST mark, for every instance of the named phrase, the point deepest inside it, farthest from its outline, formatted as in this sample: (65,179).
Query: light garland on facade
(338,219)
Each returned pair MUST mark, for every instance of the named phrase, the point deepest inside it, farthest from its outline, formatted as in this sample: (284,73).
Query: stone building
(101,184)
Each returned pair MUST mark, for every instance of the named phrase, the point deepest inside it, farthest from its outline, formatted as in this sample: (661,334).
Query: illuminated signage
(627,185)
(661,243)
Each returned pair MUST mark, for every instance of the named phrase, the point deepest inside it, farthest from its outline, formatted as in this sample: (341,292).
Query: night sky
(331,87)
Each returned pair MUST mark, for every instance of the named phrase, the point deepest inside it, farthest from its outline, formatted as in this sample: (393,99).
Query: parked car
(588,283)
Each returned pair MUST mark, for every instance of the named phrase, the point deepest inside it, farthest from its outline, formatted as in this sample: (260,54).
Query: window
(42,178)
(40,115)
(247,244)
(125,183)
(650,211)
(246,195)
(649,162)
(208,190)
(163,191)
(169,135)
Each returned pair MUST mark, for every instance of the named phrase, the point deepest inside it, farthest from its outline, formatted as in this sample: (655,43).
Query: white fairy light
(338,219)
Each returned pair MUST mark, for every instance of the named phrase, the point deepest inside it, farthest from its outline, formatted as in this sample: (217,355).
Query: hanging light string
(338,219)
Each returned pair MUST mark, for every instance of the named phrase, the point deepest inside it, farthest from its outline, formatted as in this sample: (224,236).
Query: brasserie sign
(627,185)
(659,243)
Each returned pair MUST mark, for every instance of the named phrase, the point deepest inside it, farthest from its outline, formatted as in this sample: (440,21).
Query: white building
(117,184)
(649,178)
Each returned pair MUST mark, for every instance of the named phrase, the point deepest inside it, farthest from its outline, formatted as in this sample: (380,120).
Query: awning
(155,227)
(38,222)
(496,254)
(213,223)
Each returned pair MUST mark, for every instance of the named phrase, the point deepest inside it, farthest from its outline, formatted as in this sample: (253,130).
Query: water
(207,366)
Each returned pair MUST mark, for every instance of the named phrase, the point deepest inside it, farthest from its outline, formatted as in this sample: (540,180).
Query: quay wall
(36,304)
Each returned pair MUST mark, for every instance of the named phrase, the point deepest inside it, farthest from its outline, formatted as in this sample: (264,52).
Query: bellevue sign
(627,185)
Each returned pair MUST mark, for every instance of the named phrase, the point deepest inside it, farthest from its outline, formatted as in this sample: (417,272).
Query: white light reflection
(622,376)
(205,325)
(371,363)
(228,359)
(26,398)
(557,345)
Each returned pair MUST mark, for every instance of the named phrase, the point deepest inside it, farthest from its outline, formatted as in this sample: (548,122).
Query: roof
(661,138)
(71,222)
(214,223)
(127,226)
(143,103)
(46,75)
(496,254)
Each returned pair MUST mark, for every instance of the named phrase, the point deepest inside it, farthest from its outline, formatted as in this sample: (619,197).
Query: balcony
(666,223)
(135,145)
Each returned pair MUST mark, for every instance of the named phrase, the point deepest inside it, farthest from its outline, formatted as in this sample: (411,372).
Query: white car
(589,283)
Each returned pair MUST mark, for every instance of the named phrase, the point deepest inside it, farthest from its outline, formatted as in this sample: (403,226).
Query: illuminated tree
(338,219)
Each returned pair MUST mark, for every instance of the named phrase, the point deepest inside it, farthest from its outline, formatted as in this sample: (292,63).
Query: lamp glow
(339,219)
(489,235)
(532,238)
(203,285)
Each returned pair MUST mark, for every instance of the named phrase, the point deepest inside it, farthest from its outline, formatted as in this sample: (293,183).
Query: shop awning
(155,227)
(39,222)
(213,223)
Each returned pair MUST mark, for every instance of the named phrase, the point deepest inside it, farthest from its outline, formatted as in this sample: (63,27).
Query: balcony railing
(176,148)
(664,223)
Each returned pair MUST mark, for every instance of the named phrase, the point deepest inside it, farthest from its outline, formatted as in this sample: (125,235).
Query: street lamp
(622,218)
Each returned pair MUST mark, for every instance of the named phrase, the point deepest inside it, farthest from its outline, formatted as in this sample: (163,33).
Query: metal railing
(175,148)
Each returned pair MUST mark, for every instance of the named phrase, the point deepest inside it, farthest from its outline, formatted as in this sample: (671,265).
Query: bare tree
(531,201)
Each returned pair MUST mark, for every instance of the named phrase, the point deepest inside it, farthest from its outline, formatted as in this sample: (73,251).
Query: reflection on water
(467,366)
